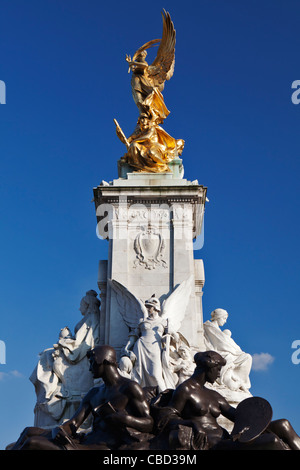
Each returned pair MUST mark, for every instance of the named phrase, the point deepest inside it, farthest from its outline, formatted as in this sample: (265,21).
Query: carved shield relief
(149,246)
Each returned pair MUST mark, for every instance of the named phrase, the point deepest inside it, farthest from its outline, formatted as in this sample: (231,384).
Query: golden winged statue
(150,148)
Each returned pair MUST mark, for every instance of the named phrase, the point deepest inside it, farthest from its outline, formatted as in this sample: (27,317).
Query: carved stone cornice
(164,203)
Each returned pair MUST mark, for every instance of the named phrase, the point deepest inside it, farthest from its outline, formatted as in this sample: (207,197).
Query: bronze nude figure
(188,418)
(127,416)
(121,414)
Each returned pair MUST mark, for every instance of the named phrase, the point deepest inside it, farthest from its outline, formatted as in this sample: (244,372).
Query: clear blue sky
(63,63)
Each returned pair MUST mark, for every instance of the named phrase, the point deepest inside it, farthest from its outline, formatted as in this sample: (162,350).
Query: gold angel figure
(150,148)
(148,81)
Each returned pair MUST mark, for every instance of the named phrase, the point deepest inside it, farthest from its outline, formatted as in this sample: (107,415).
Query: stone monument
(150,215)
(151,284)
(144,372)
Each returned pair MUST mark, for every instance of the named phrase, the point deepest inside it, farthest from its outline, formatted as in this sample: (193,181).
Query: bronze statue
(188,418)
(121,414)
(128,417)
(150,148)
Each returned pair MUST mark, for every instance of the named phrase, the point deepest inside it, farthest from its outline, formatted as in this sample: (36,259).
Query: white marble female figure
(151,327)
(147,345)
(62,375)
(235,374)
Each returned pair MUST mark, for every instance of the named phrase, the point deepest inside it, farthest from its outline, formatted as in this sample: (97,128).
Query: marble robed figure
(61,377)
(235,374)
(151,327)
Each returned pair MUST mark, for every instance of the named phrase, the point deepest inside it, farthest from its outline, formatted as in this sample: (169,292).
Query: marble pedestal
(150,222)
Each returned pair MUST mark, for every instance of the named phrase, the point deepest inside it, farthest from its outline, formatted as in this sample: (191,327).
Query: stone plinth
(150,221)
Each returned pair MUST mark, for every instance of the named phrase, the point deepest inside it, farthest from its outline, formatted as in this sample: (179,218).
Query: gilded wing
(162,67)
(174,307)
(131,308)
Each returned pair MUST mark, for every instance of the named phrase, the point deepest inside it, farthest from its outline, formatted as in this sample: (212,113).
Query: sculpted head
(153,305)
(209,362)
(138,62)
(184,352)
(100,357)
(141,56)
(144,122)
(65,333)
(220,316)
(227,333)
(125,364)
(90,302)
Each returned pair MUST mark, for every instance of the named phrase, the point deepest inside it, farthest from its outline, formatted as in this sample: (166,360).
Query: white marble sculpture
(62,377)
(151,328)
(126,363)
(235,374)
(182,362)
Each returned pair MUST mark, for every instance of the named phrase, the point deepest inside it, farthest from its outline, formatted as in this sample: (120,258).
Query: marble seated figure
(61,377)
(235,374)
